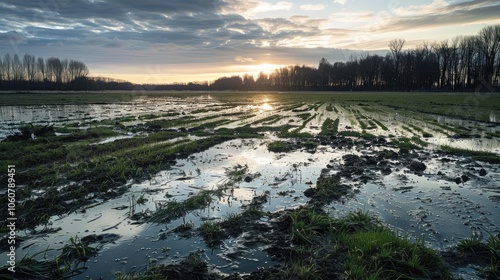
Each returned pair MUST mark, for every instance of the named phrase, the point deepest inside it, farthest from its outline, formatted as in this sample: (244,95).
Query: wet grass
(363,134)
(68,263)
(485,254)
(296,132)
(356,246)
(382,254)
(269,120)
(381,125)
(331,108)
(102,170)
(212,233)
(326,190)
(476,155)
(330,127)
(279,147)
(173,209)
(192,267)
(422,132)
(413,143)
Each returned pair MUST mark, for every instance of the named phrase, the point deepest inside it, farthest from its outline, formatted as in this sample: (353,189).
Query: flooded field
(254,185)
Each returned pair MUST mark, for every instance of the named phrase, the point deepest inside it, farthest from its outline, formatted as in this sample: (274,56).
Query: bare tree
(17,68)
(7,66)
(64,71)
(1,71)
(489,38)
(396,47)
(54,69)
(77,69)
(29,67)
(40,69)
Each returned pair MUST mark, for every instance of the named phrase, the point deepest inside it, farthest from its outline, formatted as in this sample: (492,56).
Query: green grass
(423,132)
(380,124)
(173,209)
(483,254)
(268,120)
(212,233)
(304,116)
(330,127)
(295,133)
(237,172)
(363,134)
(382,254)
(307,226)
(279,147)
(476,155)
(69,262)
(409,143)
(359,242)
(304,269)
(97,169)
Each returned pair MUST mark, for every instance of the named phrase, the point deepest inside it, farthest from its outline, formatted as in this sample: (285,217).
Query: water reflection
(266,107)
(493,117)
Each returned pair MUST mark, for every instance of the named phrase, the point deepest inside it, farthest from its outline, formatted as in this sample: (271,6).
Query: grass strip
(476,155)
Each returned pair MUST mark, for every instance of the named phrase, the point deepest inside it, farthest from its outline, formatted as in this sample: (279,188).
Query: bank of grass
(476,155)
(356,246)
(413,143)
(279,147)
(362,134)
(381,125)
(485,254)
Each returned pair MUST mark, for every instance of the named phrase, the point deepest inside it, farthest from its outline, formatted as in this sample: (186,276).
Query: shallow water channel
(430,205)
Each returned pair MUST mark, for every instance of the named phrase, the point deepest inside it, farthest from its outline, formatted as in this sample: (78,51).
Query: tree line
(29,72)
(464,63)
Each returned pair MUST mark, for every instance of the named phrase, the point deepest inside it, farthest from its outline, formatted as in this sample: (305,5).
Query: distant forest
(464,63)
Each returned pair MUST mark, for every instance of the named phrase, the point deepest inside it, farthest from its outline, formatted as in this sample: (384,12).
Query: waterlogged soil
(422,193)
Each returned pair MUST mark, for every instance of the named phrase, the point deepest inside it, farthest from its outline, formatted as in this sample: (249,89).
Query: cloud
(264,7)
(436,7)
(12,37)
(341,2)
(316,7)
(240,58)
(439,14)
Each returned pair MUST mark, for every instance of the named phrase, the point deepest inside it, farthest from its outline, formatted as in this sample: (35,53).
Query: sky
(167,41)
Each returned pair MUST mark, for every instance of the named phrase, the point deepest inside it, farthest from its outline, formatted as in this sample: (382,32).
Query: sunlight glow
(266,68)
(266,107)
(252,69)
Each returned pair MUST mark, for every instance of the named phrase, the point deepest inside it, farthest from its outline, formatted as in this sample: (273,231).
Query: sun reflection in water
(266,107)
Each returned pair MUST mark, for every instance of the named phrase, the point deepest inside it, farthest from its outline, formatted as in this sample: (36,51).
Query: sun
(254,69)
(266,68)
